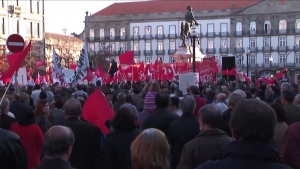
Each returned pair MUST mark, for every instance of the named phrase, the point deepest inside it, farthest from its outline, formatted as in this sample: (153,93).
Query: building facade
(267,28)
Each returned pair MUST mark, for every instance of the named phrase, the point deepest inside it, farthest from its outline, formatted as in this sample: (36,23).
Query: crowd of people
(155,126)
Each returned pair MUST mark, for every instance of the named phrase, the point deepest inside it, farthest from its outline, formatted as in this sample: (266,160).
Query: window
(92,47)
(267,27)
(97,47)
(266,59)
(282,58)
(148,46)
(210,43)
(35,29)
(224,43)
(148,59)
(252,59)
(112,32)
(160,30)
(210,27)
(239,59)
(282,25)
(136,46)
(101,32)
(136,60)
(3,26)
(160,45)
(172,29)
(136,31)
(122,32)
(102,46)
(239,43)
(282,41)
(34,6)
(253,26)
(28,28)
(238,27)
(122,46)
(147,30)
(112,47)
(297,58)
(92,33)
(266,42)
(172,45)
(252,42)
(297,41)
(172,59)
(297,24)
(223,27)
(27,6)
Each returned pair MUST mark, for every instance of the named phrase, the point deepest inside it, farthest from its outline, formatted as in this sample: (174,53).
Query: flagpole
(7,88)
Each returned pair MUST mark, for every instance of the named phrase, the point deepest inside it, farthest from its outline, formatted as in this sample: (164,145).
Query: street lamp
(194,35)
(271,60)
(247,62)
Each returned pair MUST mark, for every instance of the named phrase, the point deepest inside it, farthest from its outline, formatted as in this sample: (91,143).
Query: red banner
(39,63)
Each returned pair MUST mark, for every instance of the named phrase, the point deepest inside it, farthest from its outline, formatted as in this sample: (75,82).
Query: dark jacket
(202,148)
(245,155)
(117,149)
(86,152)
(225,122)
(54,163)
(6,121)
(182,131)
(161,119)
(292,112)
(292,147)
(12,151)
(17,107)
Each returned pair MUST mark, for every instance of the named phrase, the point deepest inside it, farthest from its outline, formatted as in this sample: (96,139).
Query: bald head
(72,107)
(221,97)
(57,141)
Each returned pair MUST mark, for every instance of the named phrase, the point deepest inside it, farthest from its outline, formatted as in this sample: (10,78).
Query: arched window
(122,32)
(297,24)
(101,32)
(253,26)
(282,24)
(267,26)
(92,34)
(239,27)
(112,32)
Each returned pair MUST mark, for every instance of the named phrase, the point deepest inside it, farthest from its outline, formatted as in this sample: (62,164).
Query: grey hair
(241,92)
(179,93)
(187,105)
(23,88)
(286,86)
(269,94)
(297,97)
(234,98)
(211,115)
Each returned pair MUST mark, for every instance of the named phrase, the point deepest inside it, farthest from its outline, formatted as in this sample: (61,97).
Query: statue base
(183,54)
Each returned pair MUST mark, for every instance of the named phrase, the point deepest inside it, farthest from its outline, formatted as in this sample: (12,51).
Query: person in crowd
(253,92)
(109,96)
(183,130)
(117,143)
(248,95)
(80,93)
(232,100)
(129,106)
(24,96)
(31,136)
(172,91)
(137,99)
(5,119)
(150,150)
(50,95)
(120,101)
(116,92)
(269,96)
(59,91)
(17,106)
(252,122)
(297,100)
(210,96)
(277,100)
(86,152)
(285,86)
(291,110)
(68,95)
(149,101)
(241,92)
(12,152)
(57,148)
(161,118)
(292,147)
(208,142)
(35,94)
(10,95)
(221,98)
(41,113)
(56,115)
(179,94)
(200,102)
(43,95)
(174,106)
(280,128)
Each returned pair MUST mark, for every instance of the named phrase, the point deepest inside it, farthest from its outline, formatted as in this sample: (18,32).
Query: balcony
(123,37)
(135,37)
(267,49)
(253,65)
(210,51)
(160,52)
(290,65)
(223,50)
(239,50)
(282,48)
(296,47)
(101,38)
(253,49)
(147,36)
(112,38)
(282,31)
(172,36)
(297,30)
(266,32)
(266,65)
(148,52)
(223,34)
(252,32)
(238,33)
(210,34)
(172,51)
(160,36)
(91,38)
(137,53)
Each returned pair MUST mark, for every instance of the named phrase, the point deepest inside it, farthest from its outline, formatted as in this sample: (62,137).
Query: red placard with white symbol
(15,43)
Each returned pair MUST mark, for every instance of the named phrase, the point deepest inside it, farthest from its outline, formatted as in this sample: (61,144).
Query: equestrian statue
(187,24)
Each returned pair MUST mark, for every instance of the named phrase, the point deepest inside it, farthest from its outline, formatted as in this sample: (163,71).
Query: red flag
(141,69)
(96,113)
(225,72)
(39,63)
(15,61)
(73,66)
(127,58)
(279,75)
(99,72)
(155,65)
(89,75)
(232,72)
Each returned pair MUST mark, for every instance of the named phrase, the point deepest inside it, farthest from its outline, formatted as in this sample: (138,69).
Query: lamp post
(271,60)
(194,35)
(247,62)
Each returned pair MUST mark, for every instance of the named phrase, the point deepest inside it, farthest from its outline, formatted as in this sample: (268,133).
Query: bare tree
(3,64)
(100,57)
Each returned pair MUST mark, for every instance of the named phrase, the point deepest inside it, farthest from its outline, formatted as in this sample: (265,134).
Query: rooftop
(62,37)
(144,7)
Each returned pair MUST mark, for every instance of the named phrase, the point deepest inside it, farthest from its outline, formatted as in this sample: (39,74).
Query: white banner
(82,65)
(57,73)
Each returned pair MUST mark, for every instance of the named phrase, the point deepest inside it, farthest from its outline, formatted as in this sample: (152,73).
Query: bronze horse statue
(187,24)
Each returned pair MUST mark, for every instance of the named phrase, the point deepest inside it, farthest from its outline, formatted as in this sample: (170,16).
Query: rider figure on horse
(189,22)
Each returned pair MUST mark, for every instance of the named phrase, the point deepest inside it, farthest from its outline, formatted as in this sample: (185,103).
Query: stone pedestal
(185,54)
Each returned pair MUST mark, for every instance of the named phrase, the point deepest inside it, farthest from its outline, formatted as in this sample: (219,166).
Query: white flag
(82,66)
(57,73)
